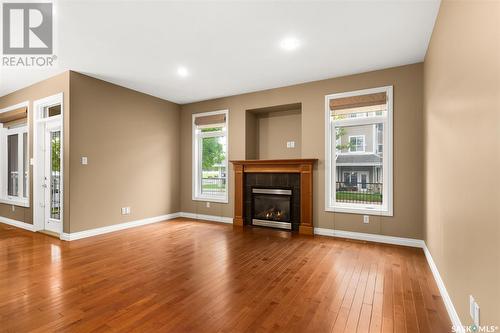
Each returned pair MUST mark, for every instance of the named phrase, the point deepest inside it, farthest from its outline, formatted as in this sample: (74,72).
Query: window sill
(211,199)
(361,211)
(14,202)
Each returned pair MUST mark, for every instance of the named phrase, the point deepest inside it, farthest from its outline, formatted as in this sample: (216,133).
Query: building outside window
(357,143)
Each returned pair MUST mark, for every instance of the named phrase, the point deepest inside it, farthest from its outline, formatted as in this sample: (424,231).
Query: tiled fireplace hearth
(274,193)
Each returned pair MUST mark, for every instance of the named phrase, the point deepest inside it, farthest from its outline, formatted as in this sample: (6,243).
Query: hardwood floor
(188,276)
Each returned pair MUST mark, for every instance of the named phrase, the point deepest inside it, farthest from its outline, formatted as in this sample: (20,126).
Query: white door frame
(39,157)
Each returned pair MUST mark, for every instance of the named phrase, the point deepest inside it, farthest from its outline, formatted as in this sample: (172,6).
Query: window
(359,151)
(14,183)
(210,165)
(357,143)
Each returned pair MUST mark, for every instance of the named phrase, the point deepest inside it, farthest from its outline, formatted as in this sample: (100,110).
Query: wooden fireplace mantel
(302,166)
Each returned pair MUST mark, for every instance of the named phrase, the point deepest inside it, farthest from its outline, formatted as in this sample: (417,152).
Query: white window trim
(330,199)
(196,174)
(364,143)
(19,200)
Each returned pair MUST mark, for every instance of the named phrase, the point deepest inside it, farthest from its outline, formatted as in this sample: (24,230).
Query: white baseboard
(455,319)
(370,237)
(132,224)
(116,227)
(18,224)
(213,218)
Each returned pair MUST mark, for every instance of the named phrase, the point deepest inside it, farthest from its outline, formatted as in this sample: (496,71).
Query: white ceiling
(230,47)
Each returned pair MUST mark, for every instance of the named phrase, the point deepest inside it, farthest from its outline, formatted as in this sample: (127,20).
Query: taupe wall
(275,129)
(462,145)
(132,144)
(251,136)
(408,145)
(51,86)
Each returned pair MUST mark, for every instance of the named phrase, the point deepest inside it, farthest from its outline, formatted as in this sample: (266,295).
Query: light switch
(84,160)
(366,219)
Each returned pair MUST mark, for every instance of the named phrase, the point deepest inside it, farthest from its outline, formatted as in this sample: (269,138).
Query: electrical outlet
(208,204)
(84,160)
(13,208)
(290,144)
(366,219)
(125,210)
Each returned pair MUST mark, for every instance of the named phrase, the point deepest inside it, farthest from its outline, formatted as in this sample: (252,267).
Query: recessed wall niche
(274,132)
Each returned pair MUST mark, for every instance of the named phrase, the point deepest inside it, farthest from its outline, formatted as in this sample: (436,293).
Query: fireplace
(272,200)
(271,207)
(295,175)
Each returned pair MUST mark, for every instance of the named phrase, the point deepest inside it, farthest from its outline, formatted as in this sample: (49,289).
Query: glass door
(52,178)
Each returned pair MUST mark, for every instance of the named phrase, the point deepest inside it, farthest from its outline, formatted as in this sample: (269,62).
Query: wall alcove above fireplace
(274,132)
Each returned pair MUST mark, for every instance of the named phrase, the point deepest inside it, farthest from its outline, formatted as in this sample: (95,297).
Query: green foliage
(359,196)
(339,134)
(210,129)
(212,153)
(56,153)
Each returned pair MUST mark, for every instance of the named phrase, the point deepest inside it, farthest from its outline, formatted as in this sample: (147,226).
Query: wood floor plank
(388,303)
(191,276)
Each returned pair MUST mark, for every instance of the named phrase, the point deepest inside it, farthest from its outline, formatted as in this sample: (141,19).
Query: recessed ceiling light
(182,71)
(289,43)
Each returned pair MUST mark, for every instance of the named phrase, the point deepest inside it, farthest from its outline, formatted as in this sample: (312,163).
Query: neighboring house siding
(360,165)
(366,130)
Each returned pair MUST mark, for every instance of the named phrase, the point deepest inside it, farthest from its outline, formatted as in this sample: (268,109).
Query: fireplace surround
(295,175)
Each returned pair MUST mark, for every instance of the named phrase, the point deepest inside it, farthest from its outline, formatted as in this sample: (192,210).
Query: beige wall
(462,145)
(275,129)
(251,136)
(408,150)
(51,86)
(132,144)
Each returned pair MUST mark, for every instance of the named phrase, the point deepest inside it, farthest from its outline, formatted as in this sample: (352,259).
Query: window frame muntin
(196,157)
(331,205)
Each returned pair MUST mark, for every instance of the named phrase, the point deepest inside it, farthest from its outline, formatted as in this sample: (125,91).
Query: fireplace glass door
(272,207)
